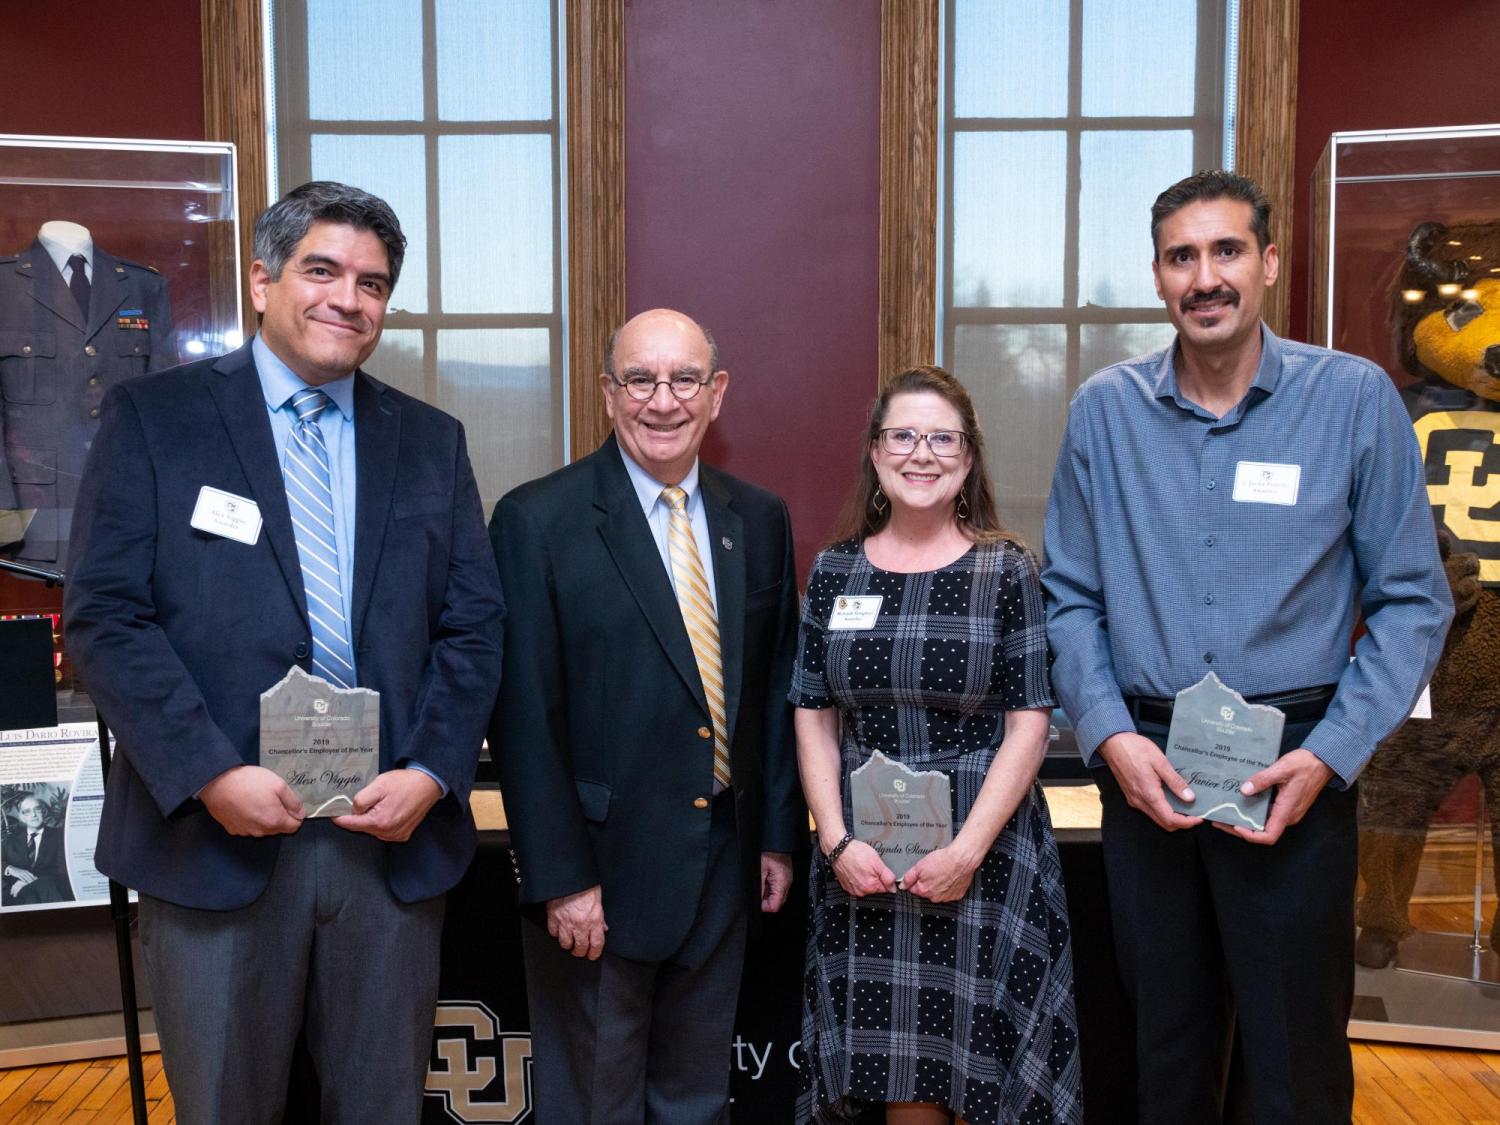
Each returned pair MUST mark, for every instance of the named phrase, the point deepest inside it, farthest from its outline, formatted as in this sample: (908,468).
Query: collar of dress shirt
(648,488)
(278,382)
(60,253)
(1267,375)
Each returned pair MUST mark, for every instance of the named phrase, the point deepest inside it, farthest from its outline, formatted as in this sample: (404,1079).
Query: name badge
(855,613)
(223,513)
(1261,482)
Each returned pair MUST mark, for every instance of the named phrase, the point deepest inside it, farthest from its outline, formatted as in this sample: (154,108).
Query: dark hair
(609,349)
(286,222)
(860,519)
(1204,187)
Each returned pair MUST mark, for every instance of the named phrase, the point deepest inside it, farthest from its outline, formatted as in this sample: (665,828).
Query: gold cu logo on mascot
(469,1053)
(1448,320)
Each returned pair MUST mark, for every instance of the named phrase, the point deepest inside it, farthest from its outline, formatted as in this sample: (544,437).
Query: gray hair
(286,222)
(609,350)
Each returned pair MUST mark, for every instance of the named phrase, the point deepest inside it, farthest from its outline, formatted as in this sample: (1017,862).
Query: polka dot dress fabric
(968,1004)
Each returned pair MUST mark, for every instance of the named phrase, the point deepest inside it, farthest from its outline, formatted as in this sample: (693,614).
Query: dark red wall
(1385,64)
(87,68)
(752,189)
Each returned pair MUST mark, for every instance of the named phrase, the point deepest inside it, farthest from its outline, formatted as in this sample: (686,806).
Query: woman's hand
(861,871)
(941,876)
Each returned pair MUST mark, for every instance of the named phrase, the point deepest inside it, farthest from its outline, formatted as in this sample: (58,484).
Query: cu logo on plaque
(320,706)
(479,1072)
(900,785)
(1227,714)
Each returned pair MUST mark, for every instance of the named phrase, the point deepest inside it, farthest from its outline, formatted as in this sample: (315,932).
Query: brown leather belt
(1306,705)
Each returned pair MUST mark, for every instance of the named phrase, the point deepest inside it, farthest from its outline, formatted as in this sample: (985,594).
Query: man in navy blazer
(326,925)
(641,860)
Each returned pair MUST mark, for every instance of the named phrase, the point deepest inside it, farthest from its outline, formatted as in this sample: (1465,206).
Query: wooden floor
(1392,1086)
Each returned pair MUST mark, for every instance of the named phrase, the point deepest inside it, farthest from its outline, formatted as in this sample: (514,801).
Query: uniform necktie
(309,495)
(702,622)
(32,845)
(79,282)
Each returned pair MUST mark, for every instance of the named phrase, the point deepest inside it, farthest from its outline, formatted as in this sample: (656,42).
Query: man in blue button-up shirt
(1163,564)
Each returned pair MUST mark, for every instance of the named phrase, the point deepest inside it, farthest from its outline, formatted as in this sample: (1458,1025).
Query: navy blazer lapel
(106,293)
(724,531)
(627,536)
(377,437)
(47,285)
(235,386)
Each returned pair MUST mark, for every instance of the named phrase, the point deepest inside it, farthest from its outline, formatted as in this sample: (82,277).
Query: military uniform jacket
(55,366)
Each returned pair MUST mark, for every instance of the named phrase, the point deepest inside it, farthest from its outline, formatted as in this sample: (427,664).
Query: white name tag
(1261,482)
(855,613)
(1423,708)
(223,513)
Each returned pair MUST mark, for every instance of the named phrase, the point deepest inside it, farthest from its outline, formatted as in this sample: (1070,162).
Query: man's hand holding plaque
(322,741)
(1217,741)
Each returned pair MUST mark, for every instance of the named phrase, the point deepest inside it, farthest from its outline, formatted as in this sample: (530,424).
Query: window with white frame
(1061,122)
(451,111)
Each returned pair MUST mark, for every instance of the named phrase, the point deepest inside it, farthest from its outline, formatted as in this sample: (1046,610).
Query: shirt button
(1208,658)
(1209,541)
(91,350)
(94,413)
(94,382)
(25,349)
(700,802)
(704,732)
(1211,486)
(1208,599)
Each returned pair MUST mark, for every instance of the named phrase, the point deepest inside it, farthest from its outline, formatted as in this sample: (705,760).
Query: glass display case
(1406,272)
(117,258)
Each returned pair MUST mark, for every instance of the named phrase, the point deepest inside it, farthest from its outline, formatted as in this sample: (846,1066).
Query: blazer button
(91,350)
(704,732)
(300,652)
(700,802)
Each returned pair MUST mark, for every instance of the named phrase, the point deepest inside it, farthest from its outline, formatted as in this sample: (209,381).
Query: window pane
(398,361)
(1104,344)
(498,383)
(494,66)
(1017,375)
(1139,57)
(390,167)
(1010,58)
(495,195)
(364,60)
(1008,219)
(1122,174)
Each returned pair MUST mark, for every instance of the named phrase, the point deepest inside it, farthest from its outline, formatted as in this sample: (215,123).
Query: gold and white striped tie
(702,622)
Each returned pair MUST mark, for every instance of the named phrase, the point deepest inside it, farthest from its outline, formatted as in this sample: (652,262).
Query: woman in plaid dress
(947,993)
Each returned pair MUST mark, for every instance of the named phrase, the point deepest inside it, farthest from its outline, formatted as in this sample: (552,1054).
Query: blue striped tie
(309,495)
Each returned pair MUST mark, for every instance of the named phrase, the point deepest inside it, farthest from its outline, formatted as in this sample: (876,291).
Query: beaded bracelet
(838,849)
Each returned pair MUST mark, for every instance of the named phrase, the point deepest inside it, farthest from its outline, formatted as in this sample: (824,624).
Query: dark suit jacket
(601,724)
(177,632)
(50,868)
(55,367)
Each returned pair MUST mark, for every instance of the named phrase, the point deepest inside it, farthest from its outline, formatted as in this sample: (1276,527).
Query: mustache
(1222,293)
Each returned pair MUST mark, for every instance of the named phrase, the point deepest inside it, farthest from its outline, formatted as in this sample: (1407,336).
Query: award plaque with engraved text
(1216,741)
(900,812)
(324,741)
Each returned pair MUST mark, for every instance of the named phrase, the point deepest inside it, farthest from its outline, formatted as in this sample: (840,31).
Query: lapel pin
(728,543)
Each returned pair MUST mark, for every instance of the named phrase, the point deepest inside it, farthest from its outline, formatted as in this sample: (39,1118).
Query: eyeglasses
(943,443)
(642,388)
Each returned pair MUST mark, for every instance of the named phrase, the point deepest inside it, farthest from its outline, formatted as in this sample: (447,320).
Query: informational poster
(51,795)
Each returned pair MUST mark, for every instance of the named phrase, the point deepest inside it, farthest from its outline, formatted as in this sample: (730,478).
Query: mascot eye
(1461,313)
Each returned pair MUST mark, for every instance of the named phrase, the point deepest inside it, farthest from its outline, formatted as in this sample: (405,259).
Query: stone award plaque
(1216,741)
(324,741)
(900,812)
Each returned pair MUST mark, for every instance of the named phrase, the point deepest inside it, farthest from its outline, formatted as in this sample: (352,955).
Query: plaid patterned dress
(969,1003)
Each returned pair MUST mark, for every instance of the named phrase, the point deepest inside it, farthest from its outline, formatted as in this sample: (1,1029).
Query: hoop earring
(875,502)
(963,508)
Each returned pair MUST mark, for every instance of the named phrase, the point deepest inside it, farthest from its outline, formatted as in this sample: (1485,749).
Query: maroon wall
(88,68)
(752,189)
(1385,64)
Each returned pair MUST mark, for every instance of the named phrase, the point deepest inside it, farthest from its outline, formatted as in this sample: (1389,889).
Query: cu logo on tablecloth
(470,1053)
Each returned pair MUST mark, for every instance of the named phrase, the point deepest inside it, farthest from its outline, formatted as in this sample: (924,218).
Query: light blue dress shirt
(1156,574)
(659,516)
(278,383)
